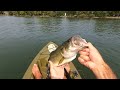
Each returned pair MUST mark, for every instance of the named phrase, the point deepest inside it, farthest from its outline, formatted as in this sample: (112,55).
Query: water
(22,38)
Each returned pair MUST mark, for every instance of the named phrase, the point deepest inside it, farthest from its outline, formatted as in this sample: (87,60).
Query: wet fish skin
(67,51)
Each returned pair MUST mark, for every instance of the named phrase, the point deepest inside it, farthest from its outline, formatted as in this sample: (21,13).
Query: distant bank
(63,16)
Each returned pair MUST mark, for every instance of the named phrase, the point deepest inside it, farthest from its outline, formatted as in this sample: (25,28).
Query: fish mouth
(78,42)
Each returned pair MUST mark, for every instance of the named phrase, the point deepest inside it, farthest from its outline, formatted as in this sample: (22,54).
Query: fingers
(51,64)
(61,66)
(66,64)
(86,50)
(84,53)
(90,44)
(35,65)
(86,58)
(67,67)
(82,61)
(86,63)
(91,47)
(36,72)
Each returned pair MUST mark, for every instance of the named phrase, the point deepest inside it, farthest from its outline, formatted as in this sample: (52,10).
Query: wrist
(98,69)
(103,71)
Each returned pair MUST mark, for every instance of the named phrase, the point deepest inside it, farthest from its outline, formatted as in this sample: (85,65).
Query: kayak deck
(41,60)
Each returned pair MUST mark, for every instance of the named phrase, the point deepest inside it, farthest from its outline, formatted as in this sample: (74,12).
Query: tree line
(63,13)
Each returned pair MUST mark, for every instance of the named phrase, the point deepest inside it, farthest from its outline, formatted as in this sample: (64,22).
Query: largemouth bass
(67,51)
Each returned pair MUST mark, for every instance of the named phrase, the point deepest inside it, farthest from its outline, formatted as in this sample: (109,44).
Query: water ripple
(22,38)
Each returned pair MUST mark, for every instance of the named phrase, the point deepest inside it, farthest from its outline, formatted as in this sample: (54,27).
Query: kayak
(41,60)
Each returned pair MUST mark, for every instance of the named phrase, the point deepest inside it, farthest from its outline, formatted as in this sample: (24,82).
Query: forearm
(104,72)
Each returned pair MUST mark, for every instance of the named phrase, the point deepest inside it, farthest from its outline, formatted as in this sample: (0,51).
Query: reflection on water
(108,26)
(21,39)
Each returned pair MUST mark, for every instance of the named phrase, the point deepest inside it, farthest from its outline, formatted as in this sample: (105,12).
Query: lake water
(21,38)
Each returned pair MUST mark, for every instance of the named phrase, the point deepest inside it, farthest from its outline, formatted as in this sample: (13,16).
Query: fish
(67,51)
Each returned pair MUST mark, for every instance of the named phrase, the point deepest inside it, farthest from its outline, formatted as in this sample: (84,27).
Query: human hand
(91,58)
(56,72)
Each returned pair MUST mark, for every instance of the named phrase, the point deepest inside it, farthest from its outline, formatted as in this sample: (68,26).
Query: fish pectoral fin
(61,60)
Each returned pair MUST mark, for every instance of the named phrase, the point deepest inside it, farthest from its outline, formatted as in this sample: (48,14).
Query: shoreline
(64,17)
(108,17)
